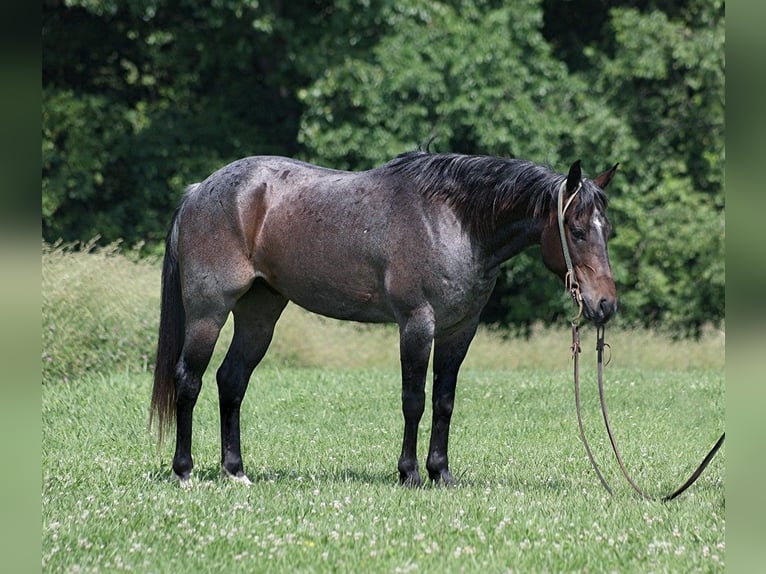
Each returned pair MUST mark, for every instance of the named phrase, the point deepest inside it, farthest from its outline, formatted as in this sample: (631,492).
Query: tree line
(143,97)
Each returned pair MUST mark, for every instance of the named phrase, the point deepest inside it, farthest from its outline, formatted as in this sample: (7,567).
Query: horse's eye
(578,233)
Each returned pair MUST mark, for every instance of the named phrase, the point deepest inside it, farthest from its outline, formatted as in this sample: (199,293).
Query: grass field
(321,447)
(321,434)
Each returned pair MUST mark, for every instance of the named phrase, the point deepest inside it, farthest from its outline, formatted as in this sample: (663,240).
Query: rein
(574,290)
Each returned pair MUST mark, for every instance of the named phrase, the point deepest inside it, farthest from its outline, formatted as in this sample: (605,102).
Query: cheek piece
(570,281)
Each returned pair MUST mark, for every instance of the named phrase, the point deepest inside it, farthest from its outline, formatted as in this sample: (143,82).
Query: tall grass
(101,310)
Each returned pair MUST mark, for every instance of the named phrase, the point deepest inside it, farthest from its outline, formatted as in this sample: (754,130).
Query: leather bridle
(570,281)
(573,287)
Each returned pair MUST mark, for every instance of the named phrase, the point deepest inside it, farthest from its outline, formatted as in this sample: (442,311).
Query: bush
(100,310)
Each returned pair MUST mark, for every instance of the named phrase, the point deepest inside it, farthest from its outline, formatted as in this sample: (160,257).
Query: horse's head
(578,224)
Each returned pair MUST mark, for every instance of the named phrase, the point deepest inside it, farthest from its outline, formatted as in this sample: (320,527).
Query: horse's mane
(480,188)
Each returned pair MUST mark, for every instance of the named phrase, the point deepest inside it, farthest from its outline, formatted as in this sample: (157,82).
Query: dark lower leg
(449,353)
(198,347)
(187,390)
(255,315)
(413,405)
(231,453)
(443,401)
(416,337)
(231,390)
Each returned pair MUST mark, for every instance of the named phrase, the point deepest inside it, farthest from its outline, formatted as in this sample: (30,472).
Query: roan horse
(417,241)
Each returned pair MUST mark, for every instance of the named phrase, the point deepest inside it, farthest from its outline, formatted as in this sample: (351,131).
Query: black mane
(481,188)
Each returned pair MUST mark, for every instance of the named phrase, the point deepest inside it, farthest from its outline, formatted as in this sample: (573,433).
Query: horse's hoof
(441,476)
(183,481)
(444,480)
(411,481)
(240,477)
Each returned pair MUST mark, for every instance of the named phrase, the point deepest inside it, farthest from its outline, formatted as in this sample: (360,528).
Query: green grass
(321,447)
(321,433)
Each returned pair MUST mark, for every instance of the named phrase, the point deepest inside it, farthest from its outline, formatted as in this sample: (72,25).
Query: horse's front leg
(449,353)
(416,337)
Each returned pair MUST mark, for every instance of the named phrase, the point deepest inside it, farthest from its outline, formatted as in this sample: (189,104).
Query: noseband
(573,287)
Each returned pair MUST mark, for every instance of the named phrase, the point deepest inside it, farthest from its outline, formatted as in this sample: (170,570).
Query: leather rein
(574,290)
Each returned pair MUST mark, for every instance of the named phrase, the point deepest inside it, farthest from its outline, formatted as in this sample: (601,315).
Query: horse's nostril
(607,307)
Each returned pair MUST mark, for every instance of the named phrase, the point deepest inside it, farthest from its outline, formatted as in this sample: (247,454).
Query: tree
(666,76)
(143,97)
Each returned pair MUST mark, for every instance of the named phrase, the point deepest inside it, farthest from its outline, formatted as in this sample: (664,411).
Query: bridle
(573,287)
(570,281)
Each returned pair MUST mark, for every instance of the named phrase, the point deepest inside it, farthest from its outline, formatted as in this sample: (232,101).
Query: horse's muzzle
(602,312)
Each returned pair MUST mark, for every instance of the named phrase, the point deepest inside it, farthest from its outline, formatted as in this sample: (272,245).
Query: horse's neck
(513,237)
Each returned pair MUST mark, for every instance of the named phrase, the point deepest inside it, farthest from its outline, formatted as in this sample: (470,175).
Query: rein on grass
(600,359)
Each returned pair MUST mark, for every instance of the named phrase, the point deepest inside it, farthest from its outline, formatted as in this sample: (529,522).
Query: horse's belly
(321,292)
(345,309)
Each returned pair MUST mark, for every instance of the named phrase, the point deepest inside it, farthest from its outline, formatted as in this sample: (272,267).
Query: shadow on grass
(324,475)
(210,474)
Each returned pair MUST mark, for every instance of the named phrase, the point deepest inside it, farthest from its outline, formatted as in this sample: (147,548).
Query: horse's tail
(171,336)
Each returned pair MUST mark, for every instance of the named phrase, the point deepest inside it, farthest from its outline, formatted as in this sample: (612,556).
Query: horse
(417,241)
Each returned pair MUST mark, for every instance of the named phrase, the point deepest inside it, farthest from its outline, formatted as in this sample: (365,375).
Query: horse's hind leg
(255,315)
(201,335)
(210,291)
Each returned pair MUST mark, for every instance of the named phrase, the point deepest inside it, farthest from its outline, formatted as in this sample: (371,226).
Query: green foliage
(473,76)
(143,97)
(667,77)
(678,277)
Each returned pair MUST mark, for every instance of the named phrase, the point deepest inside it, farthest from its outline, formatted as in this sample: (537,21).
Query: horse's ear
(574,177)
(603,180)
